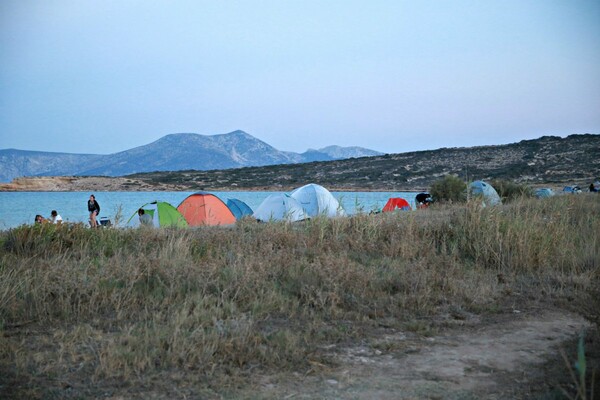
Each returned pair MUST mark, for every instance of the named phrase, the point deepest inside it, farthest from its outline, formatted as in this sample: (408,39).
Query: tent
(163,215)
(238,208)
(279,207)
(204,208)
(397,203)
(486,191)
(572,189)
(316,200)
(544,192)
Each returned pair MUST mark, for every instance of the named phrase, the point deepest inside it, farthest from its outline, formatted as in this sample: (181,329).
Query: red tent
(397,203)
(205,209)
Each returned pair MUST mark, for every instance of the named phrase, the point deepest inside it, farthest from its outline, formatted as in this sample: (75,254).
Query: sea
(18,208)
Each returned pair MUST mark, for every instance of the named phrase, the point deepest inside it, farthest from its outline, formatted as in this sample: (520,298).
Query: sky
(102,76)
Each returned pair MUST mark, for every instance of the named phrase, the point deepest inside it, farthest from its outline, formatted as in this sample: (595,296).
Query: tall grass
(127,304)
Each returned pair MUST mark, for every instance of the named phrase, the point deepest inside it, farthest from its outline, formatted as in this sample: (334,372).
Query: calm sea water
(18,208)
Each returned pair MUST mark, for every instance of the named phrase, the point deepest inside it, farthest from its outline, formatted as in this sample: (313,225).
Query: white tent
(278,207)
(316,200)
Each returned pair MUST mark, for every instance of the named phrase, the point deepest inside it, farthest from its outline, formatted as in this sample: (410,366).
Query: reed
(215,303)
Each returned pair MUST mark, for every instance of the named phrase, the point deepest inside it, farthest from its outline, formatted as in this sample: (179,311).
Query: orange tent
(205,209)
(397,203)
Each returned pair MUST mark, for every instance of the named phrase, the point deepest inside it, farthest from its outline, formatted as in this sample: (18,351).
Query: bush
(510,191)
(450,188)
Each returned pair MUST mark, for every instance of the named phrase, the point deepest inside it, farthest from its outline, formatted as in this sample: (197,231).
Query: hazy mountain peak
(172,152)
(338,152)
(239,132)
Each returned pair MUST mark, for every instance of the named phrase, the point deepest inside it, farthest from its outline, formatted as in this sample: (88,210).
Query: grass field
(88,312)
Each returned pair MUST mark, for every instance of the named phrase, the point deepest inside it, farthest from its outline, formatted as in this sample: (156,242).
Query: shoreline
(126,184)
(121,184)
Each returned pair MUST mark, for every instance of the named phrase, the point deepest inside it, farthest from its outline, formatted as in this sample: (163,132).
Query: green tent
(163,214)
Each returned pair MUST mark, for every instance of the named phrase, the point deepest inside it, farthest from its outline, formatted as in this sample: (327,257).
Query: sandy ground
(82,184)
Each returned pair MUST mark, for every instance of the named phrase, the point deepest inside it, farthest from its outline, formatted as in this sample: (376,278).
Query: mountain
(175,152)
(331,153)
(15,163)
(339,153)
(549,160)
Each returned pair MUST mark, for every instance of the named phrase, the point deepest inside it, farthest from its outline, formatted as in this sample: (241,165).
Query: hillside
(547,160)
(14,163)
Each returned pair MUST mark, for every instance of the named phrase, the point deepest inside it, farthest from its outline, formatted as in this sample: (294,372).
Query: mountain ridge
(186,151)
(548,160)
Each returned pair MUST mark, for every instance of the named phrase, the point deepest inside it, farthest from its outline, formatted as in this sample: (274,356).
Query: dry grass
(209,306)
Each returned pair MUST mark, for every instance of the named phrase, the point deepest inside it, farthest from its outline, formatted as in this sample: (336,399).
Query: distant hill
(547,160)
(181,151)
(14,163)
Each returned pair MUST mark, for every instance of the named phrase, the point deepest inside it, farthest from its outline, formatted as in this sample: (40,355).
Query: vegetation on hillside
(204,309)
(510,191)
(548,160)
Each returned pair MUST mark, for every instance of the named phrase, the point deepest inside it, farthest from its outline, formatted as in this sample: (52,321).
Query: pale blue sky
(104,76)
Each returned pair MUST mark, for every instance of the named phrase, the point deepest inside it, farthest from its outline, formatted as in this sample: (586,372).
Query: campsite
(478,299)
(292,200)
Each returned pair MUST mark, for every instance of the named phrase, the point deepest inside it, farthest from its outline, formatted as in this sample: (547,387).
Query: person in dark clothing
(94,209)
(423,200)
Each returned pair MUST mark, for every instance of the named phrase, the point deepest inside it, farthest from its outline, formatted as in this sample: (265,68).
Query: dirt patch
(509,357)
(461,364)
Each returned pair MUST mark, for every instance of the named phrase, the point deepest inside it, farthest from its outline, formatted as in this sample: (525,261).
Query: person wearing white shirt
(55,217)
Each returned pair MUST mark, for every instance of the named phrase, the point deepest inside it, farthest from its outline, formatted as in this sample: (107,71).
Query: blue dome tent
(239,208)
(486,191)
(544,192)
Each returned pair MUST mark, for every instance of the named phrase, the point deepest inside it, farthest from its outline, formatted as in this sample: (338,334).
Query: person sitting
(55,218)
(145,219)
(39,219)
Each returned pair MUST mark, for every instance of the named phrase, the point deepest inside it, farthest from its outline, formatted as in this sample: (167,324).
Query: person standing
(94,209)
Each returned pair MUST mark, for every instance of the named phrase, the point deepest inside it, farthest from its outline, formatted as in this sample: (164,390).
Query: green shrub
(510,191)
(450,188)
